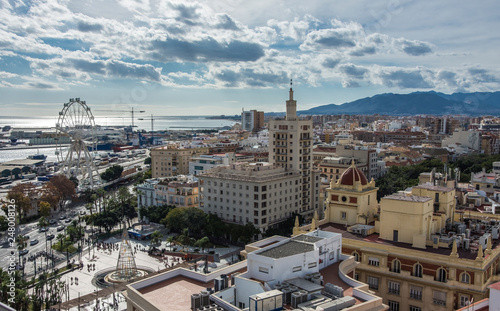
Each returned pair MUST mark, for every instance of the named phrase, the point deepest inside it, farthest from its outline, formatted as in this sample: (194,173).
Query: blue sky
(219,56)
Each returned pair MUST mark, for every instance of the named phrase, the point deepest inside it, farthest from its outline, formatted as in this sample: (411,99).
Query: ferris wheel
(76,125)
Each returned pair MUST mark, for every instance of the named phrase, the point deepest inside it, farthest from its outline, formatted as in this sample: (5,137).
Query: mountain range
(433,103)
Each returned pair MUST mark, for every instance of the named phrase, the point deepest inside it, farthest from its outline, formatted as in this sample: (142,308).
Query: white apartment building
(260,193)
(146,194)
(204,162)
(290,146)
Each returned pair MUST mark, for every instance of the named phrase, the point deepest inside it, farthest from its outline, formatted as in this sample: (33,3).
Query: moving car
(50,237)
(34,242)
(61,228)
(23,252)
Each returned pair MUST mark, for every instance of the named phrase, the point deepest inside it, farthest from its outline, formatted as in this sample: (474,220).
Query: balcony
(416,296)
(394,291)
(439,302)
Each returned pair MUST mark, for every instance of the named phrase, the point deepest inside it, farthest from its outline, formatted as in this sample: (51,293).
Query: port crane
(131,111)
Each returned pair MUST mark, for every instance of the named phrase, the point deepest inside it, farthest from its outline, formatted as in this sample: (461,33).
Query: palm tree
(43,223)
(21,244)
(156,237)
(171,240)
(60,237)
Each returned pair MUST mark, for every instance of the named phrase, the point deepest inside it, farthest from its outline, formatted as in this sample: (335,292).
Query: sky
(213,57)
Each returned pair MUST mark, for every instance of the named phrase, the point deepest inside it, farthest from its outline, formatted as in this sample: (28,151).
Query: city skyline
(217,57)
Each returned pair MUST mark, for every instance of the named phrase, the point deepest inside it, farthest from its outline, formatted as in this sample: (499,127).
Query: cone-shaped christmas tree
(126,268)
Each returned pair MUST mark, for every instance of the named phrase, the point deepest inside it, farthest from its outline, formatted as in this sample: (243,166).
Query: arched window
(441,276)
(396,266)
(356,256)
(417,270)
(465,278)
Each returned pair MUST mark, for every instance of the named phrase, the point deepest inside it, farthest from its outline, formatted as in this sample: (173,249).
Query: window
(394,287)
(413,308)
(263,270)
(415,292)
(297,269)
(464,300)
(356,256)
(373,261)
(439,298)
(441,275)
(396,266)
(343,215)
(312,265)
(465,278)
(372,282)
(393,305)
(417,270)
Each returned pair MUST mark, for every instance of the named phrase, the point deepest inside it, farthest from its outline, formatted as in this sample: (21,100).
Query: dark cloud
(482,75)
(416,48)
(186,13)
(350,83)
(336,40)
(404,79)
(205,50)
(226,22)
(330,62)
(86,27)
(448,77)
(230,77)
(124,70)
(364,51)
(353,71)
(40,85)
(249,77)
(89,66)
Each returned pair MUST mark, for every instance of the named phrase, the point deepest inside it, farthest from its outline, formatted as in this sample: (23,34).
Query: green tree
(203,243)
(156,237)
(4,223)
(147,161)
(112,173)
(45,209)
(16,172)
(6,173)
(26,169)
(171,241)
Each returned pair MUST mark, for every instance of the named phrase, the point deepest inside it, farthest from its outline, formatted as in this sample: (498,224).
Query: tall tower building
(290,146)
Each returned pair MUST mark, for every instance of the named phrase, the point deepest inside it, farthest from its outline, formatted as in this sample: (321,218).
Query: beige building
(260,193)
(290,146)
(178,193)
(172,159)
(414,252)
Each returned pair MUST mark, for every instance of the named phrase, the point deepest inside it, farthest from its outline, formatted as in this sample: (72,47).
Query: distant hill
(416,103)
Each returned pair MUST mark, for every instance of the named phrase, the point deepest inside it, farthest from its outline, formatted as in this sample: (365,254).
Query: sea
(160,123)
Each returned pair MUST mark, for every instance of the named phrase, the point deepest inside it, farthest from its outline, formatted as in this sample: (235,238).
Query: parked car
(83,212)
(34,242)
(50,237)
(23,252)
(68,220)
(44,229)
(52,221)
(62,217)
(61,228)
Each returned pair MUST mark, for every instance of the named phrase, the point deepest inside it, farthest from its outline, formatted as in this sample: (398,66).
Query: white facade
(471,139)
(146,193)
(247,120)
(289,260)
(259,193)
(202,163)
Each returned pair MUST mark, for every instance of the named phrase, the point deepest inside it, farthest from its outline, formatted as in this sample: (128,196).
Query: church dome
(352,175)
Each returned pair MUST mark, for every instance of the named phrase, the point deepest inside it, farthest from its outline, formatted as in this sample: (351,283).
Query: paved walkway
(103,259)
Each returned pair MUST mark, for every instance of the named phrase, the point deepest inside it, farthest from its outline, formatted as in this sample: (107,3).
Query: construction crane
(152,128)
(130,111)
